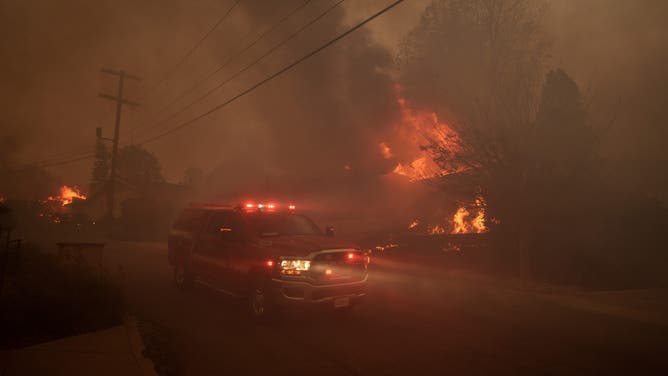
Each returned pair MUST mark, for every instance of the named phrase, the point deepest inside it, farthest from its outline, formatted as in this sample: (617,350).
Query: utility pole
(117,130)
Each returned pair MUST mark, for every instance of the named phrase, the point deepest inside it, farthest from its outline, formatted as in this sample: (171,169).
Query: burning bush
(67,195)
(467,219)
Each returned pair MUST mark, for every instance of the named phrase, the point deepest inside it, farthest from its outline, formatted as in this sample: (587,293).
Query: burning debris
(467,219)
(381,248)
(417,128)
(67,195)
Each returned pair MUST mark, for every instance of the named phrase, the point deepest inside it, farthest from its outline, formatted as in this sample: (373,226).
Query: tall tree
(138,166)
(479,64)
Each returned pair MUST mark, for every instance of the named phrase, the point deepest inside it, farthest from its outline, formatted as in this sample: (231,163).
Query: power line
(249,66)
(252,88)
(273,76)
(89,155)
(229,59)
(195,47)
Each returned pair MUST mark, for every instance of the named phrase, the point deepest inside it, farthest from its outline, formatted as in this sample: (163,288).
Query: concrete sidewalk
(113,351)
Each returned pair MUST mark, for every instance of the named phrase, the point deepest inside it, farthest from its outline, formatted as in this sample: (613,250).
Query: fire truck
(267,253)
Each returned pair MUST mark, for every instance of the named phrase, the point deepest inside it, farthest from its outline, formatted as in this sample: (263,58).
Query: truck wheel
(260,303)
(183,278)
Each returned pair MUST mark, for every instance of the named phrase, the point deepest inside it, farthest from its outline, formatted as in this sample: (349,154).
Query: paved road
(411,324)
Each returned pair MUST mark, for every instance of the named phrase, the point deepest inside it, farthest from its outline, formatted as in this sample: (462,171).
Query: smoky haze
(305,127)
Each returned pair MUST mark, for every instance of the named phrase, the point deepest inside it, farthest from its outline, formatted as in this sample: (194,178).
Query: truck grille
(331,267)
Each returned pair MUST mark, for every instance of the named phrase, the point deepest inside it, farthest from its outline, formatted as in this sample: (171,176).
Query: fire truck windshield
(275,224)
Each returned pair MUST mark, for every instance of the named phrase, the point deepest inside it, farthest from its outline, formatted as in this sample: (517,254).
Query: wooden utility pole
(117,130)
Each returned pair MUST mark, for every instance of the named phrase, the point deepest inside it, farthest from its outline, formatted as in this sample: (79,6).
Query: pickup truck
(267,253)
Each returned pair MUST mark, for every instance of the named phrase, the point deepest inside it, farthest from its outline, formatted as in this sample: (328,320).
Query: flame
(67,195)
(477,224)
(418,128)
(381,248)
(436,230)
(460,225)
(467,219)
(420,169)
(385,150)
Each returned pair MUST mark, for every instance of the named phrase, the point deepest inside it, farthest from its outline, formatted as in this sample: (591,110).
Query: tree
(564,141)
(193,177)
(479,64)
(138,166)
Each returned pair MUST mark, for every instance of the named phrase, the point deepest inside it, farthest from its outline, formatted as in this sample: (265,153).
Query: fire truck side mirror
(329,231)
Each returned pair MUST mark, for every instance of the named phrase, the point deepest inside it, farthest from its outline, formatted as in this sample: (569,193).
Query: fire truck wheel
(260,303)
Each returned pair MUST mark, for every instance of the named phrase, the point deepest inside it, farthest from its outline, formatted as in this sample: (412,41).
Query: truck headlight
(295,266)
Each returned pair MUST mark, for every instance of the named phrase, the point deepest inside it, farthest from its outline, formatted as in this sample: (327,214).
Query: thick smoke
(302,129)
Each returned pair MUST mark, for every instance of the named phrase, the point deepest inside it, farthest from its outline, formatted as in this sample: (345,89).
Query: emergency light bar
(270,206)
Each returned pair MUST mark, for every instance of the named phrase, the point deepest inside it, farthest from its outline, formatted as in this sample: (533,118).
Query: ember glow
(67,195)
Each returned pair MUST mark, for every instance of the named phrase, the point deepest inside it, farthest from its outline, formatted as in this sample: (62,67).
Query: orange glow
(420,169)
(67,195)
(436,230)
(476,224)
(250,206)
(471,218)
(328,271)
(292,207)
(459,219)
(271,206)
(416,129)
(385,150)
(270,263)
(381,248)
(350,256)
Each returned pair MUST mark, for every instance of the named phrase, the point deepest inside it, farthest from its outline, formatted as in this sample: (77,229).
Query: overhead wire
(249,66)
(251,88)
(227,61)
(272,76)
(195,47)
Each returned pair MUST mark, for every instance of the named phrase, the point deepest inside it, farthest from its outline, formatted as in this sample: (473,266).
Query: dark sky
(52,52)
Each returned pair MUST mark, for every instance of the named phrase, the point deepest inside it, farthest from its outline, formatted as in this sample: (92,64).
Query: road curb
(137,346)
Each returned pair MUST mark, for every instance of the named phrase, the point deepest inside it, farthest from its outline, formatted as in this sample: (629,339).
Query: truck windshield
(275,224)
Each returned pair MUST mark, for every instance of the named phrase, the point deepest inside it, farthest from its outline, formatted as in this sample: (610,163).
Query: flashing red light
(350,256)
(271,206)
(250,206)
(292,207)
(260,206)
(269,263)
